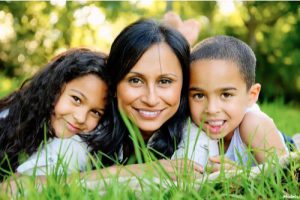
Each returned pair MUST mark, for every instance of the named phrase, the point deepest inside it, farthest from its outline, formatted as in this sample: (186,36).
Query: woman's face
(150,93)
(80,106)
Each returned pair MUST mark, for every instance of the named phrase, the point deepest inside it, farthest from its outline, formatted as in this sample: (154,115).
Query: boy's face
(218,96)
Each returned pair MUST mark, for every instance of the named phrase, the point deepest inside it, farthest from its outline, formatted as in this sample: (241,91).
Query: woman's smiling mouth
(148,114)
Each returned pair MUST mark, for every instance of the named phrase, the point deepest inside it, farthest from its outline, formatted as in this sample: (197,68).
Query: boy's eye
(226,95)
(198,96)
(135,81)
(76,99)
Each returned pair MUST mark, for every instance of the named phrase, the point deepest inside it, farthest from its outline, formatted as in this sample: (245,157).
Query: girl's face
(80,106)
(150,93)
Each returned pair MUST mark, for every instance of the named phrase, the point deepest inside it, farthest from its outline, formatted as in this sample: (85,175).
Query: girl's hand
(11,185)
(190,28)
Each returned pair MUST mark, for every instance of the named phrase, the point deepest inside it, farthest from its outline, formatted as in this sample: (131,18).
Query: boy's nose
(150,96)
(212,107)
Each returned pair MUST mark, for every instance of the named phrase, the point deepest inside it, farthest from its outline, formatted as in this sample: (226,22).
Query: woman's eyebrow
(163,74)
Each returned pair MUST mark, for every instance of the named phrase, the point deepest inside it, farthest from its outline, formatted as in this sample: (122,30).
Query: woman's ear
(253,93)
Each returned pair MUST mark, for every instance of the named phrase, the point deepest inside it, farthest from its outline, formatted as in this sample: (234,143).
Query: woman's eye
(165,81)
(135,81)
(76,99)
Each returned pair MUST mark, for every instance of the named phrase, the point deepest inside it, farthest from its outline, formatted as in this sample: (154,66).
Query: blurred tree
(273,34)
(33,32)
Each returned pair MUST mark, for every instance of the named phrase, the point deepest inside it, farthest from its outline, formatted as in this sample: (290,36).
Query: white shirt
(68,154)
(58,154)
(196,145)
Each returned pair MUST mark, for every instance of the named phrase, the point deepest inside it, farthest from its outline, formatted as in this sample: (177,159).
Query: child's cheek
(92,124)
(196,113)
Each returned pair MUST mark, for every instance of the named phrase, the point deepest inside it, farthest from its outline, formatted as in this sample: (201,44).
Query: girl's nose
(80,116)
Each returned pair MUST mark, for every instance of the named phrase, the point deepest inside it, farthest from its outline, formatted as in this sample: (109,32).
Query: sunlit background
(31,33)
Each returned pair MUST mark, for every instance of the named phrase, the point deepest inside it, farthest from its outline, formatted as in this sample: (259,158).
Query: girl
(65,99)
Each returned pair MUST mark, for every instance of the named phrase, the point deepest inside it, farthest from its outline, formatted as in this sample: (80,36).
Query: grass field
(286,117)
(273,182)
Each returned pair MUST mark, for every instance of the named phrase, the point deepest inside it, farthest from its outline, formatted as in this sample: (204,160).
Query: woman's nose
(150,96)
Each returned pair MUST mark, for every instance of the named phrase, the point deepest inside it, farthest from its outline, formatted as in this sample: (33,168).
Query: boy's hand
(216,163)
(189,28)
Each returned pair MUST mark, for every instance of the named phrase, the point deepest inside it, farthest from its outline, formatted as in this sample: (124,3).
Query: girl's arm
(170,168)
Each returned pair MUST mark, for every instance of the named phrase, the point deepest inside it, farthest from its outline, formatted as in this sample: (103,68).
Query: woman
(149,68)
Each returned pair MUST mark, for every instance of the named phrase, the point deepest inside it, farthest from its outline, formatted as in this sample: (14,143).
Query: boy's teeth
(215,123)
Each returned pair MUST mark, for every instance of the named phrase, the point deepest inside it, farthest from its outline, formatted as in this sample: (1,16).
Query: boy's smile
(218,96)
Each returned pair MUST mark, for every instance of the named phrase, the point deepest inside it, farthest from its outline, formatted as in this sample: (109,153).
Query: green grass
(286,117)
(274,181)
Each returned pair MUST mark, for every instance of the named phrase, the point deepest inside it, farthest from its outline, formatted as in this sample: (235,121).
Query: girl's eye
(97,113)
(76,99)
(135,81)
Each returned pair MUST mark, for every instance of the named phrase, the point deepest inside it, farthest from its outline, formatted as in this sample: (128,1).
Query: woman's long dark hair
(125,52)
(30,108)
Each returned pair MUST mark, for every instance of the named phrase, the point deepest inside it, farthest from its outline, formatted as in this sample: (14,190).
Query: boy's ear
(254,93)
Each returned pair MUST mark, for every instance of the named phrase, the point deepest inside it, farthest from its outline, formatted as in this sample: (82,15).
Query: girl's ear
(253,93)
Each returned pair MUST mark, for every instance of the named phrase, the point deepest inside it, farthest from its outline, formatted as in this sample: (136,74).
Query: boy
(222,97)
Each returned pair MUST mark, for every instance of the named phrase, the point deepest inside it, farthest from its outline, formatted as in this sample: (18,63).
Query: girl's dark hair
(125,52)
(30,108)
